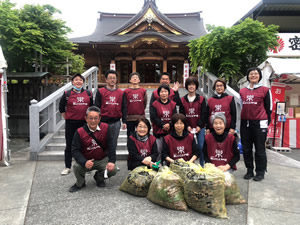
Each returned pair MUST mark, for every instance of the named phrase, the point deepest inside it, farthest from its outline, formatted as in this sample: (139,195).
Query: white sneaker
(65,171)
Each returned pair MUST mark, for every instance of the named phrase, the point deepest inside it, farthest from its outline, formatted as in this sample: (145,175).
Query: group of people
(200,130)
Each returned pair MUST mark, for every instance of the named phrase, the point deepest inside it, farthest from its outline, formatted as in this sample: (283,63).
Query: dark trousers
(256,136)
(70,127)
(130,127)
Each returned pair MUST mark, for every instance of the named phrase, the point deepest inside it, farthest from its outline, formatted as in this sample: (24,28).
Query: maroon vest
(180,148)
(90,148)
(253,103)
(144,148)
(192,111)
(219,153)
(171,95)
(164,113)
(111,103)
(77,105)
(135,101)
(221,105)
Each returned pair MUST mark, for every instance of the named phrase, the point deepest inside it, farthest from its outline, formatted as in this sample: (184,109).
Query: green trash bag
(166,190)
(181,167)
(138,181)
(204,192)
(232,191)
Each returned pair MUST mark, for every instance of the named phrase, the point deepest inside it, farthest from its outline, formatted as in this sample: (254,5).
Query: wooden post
(165,66)
(133,66)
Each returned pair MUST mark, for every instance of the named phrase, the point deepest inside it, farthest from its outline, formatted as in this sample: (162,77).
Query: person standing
(136,99)
(112,103)
(223,103)
(194,109)
(255,118)
(90,149)
(174,95)
(161,112)
(72,106)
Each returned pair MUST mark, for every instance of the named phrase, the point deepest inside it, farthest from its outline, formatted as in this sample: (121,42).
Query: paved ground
(36,193)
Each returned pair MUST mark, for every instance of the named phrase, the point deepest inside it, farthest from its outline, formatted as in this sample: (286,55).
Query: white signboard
(289,46)
(113,66)
(186,69)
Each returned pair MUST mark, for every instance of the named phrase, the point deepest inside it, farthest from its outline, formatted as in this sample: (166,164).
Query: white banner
(186,69)
(113,66)
(289,46)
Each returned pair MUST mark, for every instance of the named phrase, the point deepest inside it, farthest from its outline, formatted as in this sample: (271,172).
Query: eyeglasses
(93,118)
(111,78)
(142,127)
(254,73)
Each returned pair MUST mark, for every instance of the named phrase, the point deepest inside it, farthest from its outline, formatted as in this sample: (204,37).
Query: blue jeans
(200,139)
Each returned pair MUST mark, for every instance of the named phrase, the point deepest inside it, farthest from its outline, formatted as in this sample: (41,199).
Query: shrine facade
(148,42)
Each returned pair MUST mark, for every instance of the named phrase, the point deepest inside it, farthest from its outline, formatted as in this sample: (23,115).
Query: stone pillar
(165,65)
(133,66)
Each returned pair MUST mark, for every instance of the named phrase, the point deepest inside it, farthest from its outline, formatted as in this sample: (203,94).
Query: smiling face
(179,127)
(219,126)
(111,80)
(165,80)
(93,119)
(134,79)
(142,129)
(164,94)
(253,77)
(192,88)
(77,82)
(220,88)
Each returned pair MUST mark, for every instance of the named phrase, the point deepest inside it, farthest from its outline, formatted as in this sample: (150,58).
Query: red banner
(278,95)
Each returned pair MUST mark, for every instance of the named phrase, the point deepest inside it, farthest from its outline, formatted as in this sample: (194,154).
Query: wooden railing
(44,117)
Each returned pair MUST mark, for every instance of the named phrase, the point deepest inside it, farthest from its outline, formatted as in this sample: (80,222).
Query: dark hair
(176,117)
(221,81)
(144,120)
(251,69)
(78,75)
(110,71)
(134,73)
(165,74)
(164,87)
(92,109)
(191,80)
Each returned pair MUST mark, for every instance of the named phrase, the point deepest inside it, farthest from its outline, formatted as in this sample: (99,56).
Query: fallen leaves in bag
(138,181)
(166,190)
(181,167)
(232,191)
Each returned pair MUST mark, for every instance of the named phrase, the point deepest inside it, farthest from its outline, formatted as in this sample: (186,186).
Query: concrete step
(59,155)
(61,138)
(62,146)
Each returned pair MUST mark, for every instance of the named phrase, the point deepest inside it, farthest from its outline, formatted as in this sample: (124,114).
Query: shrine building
(148,42)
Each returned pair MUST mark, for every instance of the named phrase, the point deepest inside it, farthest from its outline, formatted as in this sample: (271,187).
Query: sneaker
(75,188)
(249,175)
(259,177)
(101,184)
(65,171)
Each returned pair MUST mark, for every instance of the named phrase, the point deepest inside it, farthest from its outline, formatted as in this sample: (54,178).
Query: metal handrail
(47,109)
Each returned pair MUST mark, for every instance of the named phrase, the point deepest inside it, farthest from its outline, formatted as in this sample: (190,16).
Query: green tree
(33,29)
(229,52)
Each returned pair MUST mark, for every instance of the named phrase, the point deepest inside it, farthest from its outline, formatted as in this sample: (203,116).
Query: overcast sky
(81,16)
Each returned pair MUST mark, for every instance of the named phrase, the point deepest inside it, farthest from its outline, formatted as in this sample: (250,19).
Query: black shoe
(75,188)
(259,177)
(101,184)
(249,175)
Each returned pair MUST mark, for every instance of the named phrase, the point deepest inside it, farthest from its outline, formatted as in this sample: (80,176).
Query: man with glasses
(90,149)
(112,103)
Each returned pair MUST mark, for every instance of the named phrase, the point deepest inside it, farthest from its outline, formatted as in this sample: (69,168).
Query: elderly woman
(255,118)
(179,143)
(161,112)
(222,102)
(72,106)
(141,146)
(220,147)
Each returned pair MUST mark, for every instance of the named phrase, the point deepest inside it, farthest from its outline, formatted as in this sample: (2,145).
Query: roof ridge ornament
(150,2)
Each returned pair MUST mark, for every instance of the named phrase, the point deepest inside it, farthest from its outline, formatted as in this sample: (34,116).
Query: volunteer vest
(164,113)
(220,105)
(90,148)
(171,95)
(180,148)
(77,105)
(192,110)
(219,153)
(135,101)
(111,103)
(144,148)
(253,103)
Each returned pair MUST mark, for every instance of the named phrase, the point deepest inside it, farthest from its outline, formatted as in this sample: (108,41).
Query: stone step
(62,146)
(59,155)
(61,138)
